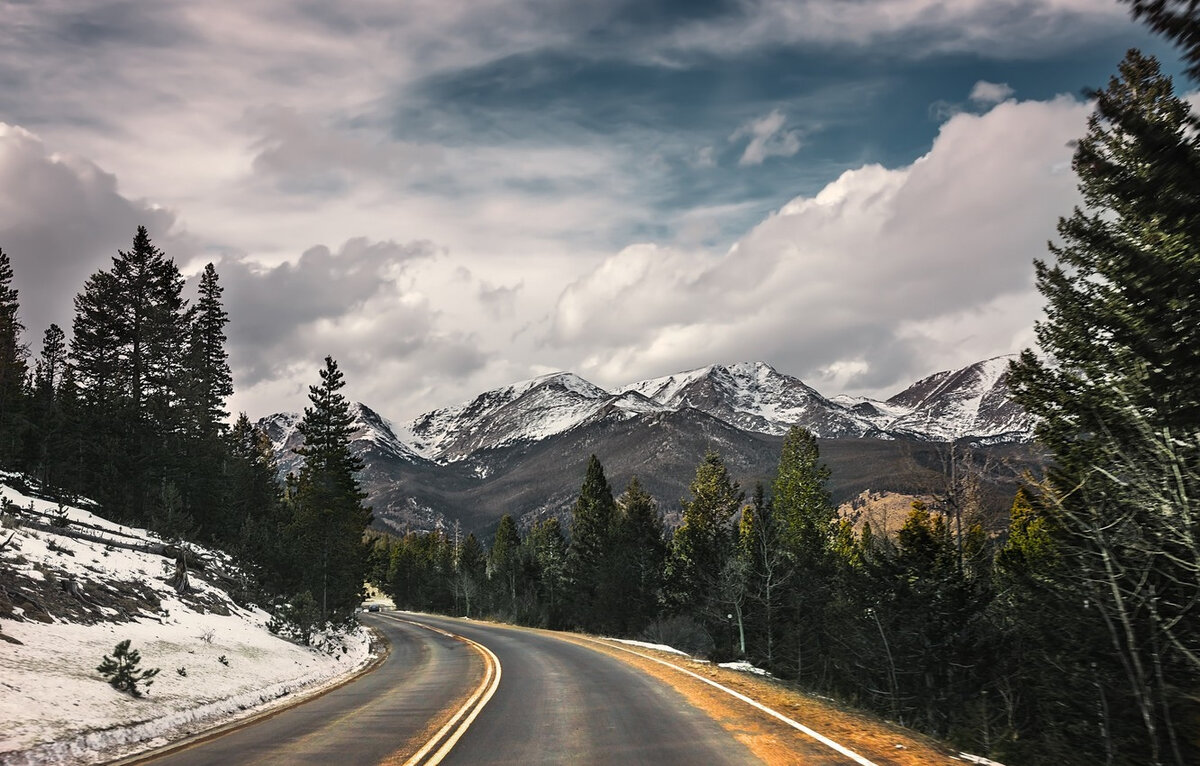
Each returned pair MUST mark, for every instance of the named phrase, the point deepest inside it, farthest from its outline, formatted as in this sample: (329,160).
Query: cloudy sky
(448,196)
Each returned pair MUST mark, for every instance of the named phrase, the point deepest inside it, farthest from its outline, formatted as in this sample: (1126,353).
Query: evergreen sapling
(122,672)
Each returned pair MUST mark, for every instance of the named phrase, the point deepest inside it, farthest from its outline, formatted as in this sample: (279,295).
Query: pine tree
(95,343)
(470,574)
(1118,406)
(52,362)
(1178,21)
(504,566)
(549,549)
(128,354)
(591,554)
(13,369)
(703,544)
(212,381)
(329,517)
(46,413)
(641,553)
(802,510)
(801,500)
(209,383)
(123,672)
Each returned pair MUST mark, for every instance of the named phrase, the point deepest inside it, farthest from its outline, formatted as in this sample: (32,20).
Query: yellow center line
(466,714)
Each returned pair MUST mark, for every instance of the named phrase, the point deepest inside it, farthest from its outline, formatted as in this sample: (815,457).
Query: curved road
(556,702)
(559,702)
(369,720)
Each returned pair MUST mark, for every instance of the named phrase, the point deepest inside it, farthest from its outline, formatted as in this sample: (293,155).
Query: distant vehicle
(373,608)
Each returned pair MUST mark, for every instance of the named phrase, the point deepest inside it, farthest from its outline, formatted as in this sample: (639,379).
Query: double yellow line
(447,737)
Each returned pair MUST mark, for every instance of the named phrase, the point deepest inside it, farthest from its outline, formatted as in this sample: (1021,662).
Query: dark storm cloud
(62,219)
(274,310)
(499,300)
(127,23)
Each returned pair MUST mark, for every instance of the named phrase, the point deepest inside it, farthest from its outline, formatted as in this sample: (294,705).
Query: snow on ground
(217,660)
(744,667)
(648,645)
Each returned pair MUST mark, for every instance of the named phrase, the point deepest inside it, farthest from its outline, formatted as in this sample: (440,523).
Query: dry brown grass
(886,511)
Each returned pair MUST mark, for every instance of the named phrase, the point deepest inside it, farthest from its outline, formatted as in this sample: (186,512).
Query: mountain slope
(973,402)
(526,411)
(754,397)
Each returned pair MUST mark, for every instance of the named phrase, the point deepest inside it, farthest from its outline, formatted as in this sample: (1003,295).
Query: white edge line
(794,724)
(491,681)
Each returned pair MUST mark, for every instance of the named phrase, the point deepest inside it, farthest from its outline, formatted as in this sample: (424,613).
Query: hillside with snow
(73,585)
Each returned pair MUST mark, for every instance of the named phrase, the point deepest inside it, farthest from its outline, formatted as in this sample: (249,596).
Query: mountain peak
(509,442)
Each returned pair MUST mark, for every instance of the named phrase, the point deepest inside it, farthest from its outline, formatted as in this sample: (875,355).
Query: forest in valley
(1072,637)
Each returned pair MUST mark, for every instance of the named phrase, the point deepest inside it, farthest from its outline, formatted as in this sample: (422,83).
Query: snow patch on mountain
(372,433)
(530,410)
(973,402)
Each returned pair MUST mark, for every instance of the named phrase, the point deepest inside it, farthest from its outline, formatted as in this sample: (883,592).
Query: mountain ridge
(499,448)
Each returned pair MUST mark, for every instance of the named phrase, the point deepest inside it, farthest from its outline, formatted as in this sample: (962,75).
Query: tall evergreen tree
(470,574)
(47,415)
(549,549)
(13,370)
(805,516)
(52,362)
(208,384)
(703,544)
(641,550)
(591,554)
(329,517)
(212,382)
(504,566)
(1118,407)
(801,501)
(128,354)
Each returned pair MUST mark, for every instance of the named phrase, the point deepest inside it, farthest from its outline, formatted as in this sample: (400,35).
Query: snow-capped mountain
(755,397)
(527,411)
(504,450)
(752,396)
(974,402)
(374,437)
(971,403)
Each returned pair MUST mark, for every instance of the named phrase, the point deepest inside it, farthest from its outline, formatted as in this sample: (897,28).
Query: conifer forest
(1071,637)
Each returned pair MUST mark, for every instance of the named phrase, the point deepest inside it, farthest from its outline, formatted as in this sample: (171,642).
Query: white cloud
(988,27)
(987,93)
(767,138)
(228,126)
(862,284)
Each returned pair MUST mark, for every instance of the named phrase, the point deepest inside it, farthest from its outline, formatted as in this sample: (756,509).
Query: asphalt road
(364,722)
(556,703)
(561,703)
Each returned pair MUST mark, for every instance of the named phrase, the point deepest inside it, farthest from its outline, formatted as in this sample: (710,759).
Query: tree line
(130,413)
(1072,637)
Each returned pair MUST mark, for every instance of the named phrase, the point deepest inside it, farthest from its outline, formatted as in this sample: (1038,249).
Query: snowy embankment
(65,602)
